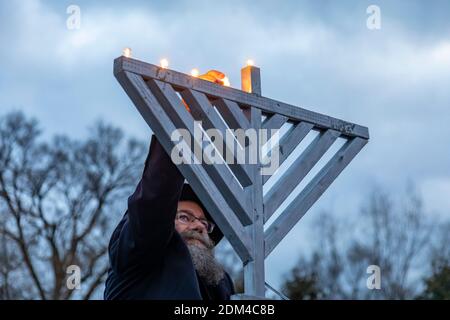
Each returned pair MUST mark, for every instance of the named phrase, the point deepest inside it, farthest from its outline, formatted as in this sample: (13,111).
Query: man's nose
(198,226)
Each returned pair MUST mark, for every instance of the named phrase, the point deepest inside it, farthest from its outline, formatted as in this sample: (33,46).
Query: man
(163,246)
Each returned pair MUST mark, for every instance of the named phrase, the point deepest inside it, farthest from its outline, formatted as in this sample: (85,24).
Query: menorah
(233,193)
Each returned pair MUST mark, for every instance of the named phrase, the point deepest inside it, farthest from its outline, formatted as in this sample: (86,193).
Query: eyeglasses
(187,218)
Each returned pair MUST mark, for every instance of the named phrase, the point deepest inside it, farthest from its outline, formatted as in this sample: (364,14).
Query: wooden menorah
(234,193)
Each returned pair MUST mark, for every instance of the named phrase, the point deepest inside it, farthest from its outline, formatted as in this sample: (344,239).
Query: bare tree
(9,263)
(437,281)
(226,255)
(303,283)
(394,236)
(59,202)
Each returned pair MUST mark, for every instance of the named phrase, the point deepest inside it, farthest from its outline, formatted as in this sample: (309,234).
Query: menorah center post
(254,279)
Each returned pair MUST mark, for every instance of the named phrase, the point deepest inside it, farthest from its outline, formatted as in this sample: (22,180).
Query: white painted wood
(202,110)
(219,173)
(308,196)
(241,212)
(182,80)
(155,116)
(297,171)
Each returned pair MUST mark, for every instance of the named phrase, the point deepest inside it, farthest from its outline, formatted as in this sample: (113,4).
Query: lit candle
(195,72)
(127,52)
(226,82)
(164,63)
(251,79)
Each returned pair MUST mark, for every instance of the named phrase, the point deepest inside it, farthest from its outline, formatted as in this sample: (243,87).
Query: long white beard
(206,264)
(203,258)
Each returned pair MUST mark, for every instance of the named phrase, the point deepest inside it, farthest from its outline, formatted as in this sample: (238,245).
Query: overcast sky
(316,54)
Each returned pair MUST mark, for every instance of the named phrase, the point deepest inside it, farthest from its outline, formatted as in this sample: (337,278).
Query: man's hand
(215,76)
(212,76)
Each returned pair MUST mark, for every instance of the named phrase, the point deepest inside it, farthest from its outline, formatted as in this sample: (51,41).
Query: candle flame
(195,72)
(250,63)
(226,82)
(127,52)
(164,63)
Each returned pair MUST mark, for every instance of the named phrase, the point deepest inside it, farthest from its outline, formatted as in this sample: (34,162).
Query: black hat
(187,194)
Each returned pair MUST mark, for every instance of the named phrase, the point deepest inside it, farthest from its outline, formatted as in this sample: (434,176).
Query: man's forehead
(192,208)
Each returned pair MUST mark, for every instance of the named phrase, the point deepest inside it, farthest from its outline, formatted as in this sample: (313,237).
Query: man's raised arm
(148,224)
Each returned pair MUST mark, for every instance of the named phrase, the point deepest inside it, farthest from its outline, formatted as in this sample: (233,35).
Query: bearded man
(163,248)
